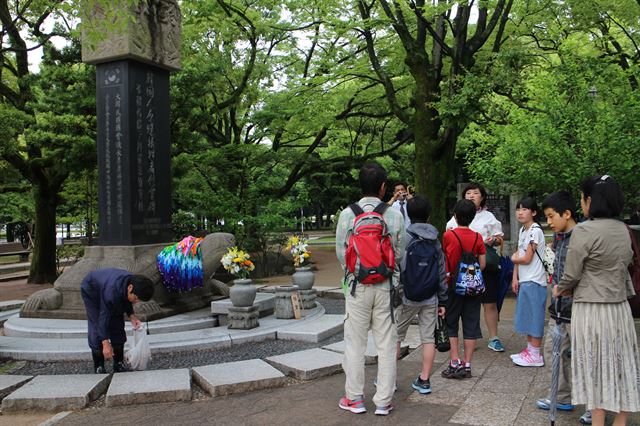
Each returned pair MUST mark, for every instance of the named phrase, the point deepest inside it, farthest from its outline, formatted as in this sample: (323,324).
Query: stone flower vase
(243,293)
(303,278)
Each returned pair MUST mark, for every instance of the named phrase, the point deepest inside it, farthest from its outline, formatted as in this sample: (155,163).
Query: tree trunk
(434,160)
(439,177)
(43,260)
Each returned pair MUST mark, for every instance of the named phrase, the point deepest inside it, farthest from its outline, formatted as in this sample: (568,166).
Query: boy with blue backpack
(466,257)
(423,277)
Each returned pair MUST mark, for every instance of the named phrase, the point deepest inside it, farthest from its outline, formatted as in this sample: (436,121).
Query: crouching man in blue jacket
(108,294)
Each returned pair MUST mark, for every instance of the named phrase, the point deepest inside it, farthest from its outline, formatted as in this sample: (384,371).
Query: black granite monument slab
(133,153)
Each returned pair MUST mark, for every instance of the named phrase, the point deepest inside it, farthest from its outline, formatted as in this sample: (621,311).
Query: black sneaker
(101,370)
(422,386)
(119,367)
(452,372)
(466,373)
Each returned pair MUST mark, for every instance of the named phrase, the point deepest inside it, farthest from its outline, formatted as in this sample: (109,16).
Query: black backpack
(421,276)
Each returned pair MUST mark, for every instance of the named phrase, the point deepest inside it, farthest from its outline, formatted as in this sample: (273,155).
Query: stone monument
(133,59)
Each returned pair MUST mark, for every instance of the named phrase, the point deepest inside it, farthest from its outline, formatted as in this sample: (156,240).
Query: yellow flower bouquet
(297,246)
(237,262)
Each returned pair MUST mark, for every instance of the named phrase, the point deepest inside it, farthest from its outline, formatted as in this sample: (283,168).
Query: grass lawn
(6,260)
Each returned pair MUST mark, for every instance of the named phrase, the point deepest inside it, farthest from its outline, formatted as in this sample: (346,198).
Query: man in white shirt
(399,201)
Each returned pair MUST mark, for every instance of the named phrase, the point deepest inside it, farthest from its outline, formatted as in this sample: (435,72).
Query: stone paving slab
(446,391)
(9,383)
(489,409)
(142,387)
(236,377)
(370,354)
(315,331)
(309,364)
(57,393)
(506,380)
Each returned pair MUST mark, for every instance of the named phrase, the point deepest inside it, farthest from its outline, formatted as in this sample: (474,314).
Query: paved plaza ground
(499,393)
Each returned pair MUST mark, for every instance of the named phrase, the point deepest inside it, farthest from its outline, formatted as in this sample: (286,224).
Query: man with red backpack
(369,246)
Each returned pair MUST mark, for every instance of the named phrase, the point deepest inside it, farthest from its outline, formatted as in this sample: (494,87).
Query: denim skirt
(530,309)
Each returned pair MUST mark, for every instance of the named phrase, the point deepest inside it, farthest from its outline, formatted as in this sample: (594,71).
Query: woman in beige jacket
(604,344)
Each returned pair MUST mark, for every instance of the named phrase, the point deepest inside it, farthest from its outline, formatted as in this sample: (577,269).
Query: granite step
(5,315)
(145,387)
(237,377)
(308,364)
(73,349)
(73,329)
(57,393)
(9,383)
(11,305)
(315,331)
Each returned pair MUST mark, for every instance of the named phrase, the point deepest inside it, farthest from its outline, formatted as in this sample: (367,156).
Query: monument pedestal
(64,301)
(308,298)
(243,318)
(284,306)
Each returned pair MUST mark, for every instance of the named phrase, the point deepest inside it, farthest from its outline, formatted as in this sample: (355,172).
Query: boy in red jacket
(465,307)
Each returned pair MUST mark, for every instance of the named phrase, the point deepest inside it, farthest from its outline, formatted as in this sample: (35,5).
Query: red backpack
(369,255)
(634,271)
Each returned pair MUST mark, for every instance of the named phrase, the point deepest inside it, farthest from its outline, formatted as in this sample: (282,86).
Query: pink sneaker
(522,353)
(529,360)
(355,406)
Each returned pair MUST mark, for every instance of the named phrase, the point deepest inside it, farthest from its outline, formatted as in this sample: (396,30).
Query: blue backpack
(420,277)
(469,281)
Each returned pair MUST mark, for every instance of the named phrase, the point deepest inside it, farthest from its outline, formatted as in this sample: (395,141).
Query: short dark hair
(480,188)
(372,176)
(607,199)
(142,287)
(528,203)
(418,209)
(464,211)
(560,202)
(399,182)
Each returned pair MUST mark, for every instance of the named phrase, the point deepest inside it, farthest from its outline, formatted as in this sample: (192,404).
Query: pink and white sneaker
(522,353)
(356,406)
(529,360)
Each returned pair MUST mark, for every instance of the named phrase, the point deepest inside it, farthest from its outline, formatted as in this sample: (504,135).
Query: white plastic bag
(138,356)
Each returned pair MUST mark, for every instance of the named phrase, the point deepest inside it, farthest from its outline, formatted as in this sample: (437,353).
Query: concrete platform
(237,377)
(309,364)
(57,393)
(315,331)
(11,305)
(143,387)
(5,315)
(74,329)
(73,349)
(266,304)
(9,383)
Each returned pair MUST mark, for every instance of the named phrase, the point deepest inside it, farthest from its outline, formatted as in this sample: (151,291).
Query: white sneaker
(529,360)
(522,353)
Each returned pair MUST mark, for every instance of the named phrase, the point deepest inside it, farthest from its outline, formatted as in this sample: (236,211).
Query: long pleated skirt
(604,357)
